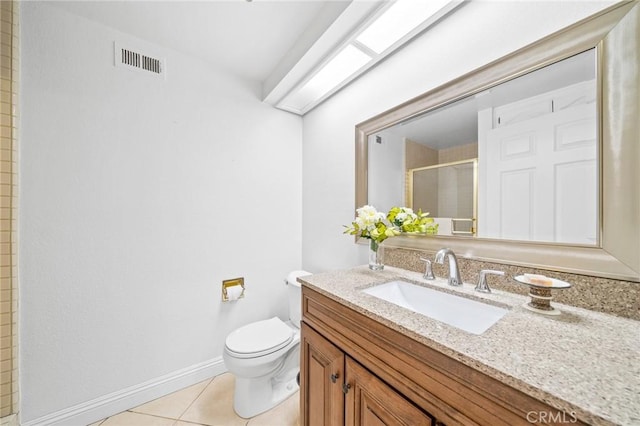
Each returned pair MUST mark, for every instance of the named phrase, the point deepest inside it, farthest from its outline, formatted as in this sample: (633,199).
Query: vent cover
(133,59)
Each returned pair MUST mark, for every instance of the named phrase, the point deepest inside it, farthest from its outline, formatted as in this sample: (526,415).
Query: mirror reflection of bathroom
(448,193)
(535,140)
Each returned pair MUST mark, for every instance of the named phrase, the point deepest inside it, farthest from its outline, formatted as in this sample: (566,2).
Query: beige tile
(286,413)
(181,423)
(134,419)
(214,406)
(173,405)
(97,423)
(5,411)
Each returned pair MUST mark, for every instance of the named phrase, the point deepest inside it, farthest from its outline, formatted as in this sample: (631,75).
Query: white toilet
(264,357)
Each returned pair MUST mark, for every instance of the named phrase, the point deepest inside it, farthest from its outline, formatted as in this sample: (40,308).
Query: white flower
(372,224)
(368,217)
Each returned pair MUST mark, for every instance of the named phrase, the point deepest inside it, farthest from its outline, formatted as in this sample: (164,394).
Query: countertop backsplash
(615,297)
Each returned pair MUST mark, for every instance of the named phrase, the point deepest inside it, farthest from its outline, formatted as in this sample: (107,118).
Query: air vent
(133,59)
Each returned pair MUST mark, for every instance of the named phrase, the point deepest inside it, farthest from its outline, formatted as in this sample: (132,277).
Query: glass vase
(376,256)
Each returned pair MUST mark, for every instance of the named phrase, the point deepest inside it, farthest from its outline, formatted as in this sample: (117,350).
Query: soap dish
(541,295)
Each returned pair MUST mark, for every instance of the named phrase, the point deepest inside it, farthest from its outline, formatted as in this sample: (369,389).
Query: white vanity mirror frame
(615,33)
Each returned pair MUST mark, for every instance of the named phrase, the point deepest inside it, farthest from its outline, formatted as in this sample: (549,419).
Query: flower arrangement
(410,222)
(373,225)
(370,224)
(377,227)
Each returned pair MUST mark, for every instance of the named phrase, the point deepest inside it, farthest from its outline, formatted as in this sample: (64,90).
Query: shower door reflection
(448,192)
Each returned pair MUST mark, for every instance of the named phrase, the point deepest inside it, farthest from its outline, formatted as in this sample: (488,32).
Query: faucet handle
(428,273)
(482,280)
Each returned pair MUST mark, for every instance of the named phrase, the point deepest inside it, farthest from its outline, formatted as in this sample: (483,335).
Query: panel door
(321,379)
(542,178)
(371,402)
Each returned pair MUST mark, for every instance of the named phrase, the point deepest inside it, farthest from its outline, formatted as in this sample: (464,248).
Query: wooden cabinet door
(371,402)
(321,380)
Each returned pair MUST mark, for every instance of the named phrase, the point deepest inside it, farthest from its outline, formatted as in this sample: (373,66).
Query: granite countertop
(581,361)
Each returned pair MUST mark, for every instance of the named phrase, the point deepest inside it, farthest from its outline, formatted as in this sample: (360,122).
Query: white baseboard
(116,402)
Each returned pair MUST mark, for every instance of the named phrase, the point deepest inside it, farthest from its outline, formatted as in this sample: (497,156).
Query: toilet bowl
(264,357)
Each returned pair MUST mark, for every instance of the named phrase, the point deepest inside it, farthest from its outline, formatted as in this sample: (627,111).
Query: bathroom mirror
(535,138)
(601,235)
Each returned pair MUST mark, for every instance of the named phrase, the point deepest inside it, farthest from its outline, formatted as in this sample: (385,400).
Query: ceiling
(247,38)
(281,44)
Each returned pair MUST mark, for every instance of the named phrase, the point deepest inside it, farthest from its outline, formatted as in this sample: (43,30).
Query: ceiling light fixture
(334,72)
(398,20)
(385,30)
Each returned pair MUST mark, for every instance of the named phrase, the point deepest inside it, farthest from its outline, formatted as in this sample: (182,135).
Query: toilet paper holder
(229,284)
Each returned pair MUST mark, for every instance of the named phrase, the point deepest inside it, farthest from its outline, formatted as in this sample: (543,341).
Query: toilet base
(265,381)
(255,396)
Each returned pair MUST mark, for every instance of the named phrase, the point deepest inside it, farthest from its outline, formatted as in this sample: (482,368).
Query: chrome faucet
(454,272)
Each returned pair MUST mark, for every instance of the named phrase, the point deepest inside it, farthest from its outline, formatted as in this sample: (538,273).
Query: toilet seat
(259,338)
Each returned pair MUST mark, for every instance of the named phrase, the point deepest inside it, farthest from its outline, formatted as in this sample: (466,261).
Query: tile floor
(207,403)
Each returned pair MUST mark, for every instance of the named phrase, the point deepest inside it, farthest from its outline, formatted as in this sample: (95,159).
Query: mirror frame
(615,33)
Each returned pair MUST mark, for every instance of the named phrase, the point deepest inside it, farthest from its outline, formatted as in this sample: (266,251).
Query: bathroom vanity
(369,361)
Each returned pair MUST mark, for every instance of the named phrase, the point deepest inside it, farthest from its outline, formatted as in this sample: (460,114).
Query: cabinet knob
(334,377)
(345,388)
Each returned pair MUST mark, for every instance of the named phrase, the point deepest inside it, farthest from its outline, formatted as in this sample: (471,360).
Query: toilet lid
(259,338)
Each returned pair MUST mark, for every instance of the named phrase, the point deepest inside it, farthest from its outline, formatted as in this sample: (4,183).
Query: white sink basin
(466,314)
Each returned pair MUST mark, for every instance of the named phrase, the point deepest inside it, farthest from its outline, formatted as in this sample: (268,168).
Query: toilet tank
(295,296)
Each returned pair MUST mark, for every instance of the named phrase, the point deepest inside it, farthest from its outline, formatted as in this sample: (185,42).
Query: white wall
(137,197)
(386,171)
(477,33)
